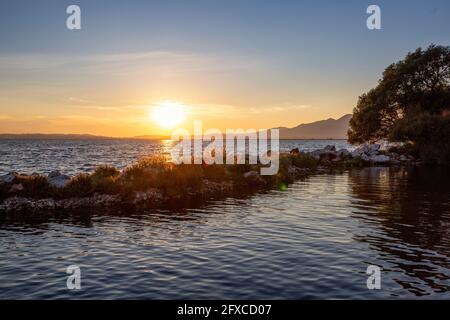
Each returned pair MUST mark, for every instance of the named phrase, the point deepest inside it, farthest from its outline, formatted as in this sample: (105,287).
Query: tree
(411,103)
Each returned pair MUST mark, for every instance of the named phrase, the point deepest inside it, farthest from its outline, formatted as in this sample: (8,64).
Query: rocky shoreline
(111,188)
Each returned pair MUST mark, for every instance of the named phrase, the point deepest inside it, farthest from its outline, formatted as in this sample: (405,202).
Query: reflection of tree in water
(411,210)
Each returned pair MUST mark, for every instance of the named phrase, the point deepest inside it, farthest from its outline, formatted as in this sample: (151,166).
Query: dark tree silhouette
(411,103)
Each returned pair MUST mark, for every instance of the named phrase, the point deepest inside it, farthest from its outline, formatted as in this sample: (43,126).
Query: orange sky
(232,64)
(114,95)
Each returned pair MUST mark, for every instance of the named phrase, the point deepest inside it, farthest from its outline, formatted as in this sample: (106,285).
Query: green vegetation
(410,104)
(159,174)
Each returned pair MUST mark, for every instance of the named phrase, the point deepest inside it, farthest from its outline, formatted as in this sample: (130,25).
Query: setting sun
(169,114)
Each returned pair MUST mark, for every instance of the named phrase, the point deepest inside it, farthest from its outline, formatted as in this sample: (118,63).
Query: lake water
(74,156)
(314,240)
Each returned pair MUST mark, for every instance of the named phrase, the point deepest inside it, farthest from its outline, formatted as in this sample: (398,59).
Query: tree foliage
(411,103)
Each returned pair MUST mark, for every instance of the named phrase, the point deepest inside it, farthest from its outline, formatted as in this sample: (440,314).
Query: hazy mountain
(51,136)
(323,129)
(152,137)
(58,136)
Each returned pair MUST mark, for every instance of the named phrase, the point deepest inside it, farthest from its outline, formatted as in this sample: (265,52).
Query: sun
(169,114)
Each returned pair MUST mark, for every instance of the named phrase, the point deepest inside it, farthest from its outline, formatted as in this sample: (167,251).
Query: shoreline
(155,183)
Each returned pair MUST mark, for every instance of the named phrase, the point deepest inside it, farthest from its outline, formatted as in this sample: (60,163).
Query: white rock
(373,148)
(343,153)
(58,180)
(329,148)
(380,158)
(54,174)
(8,178)
(358,152)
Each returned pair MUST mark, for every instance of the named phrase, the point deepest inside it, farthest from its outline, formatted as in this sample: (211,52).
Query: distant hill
(56,136)
(323,129)
(152,137)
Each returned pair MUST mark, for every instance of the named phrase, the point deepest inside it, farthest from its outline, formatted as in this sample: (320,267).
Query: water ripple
(314,240)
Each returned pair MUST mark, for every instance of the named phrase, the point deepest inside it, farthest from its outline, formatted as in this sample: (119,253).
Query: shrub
(236,171)
(105,171)
(80,186)
(180,177)
(104,180)
(284,174)
(303,160)
(34,186)
(145,173)
(215,172)
(430,134)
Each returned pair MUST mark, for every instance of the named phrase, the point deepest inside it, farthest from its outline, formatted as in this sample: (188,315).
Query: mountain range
(323,129)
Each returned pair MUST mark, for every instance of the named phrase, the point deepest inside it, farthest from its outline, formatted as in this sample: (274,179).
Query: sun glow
(169,114)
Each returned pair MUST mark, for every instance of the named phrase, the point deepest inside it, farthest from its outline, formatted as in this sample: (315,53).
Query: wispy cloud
(233,110)
(123,63)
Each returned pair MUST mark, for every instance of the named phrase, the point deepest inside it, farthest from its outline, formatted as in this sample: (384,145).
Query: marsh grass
(34,186)
(156,172)
(80,186)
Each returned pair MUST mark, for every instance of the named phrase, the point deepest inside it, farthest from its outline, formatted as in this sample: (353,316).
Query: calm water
(71,157)
(314,240)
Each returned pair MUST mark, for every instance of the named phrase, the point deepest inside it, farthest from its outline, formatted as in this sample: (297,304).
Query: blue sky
(309,58)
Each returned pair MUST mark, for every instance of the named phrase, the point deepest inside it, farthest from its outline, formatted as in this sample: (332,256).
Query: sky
(232,64)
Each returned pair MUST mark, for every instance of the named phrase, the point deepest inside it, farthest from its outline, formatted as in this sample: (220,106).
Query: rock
(403,158)
(365,157)
(374,148)
(253,178)
(54,174)
(8,178)
(16,187)
(343,153)
(327,156)
(380,159)
(295,151)
(329,148)
(316,154)
(147,197)
(393,146)
(358,152)
(365,149)
(58,180)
